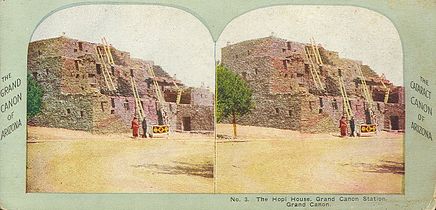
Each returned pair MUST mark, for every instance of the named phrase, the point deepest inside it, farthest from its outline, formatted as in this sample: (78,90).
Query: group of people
(343,126)
(135,127)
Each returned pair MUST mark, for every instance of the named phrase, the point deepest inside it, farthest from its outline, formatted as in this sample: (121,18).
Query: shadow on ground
(383,167)
(203,170)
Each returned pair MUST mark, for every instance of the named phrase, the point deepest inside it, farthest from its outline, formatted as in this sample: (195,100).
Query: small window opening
(76,63)
(277,110)
(290,113)
(98,68)
(131,73)
(68,111)
(285,64)
(255,71)
(321,104)
(113,102)
(113,70)
(102,106)
(335,104)
(81,114)
(126,105)
(80,46)
(112,111)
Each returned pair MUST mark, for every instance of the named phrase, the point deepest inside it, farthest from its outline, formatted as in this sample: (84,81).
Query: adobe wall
(202,117)
(66,111)
(278,72)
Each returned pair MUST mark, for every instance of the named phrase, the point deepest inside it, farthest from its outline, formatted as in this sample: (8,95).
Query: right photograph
(310,99)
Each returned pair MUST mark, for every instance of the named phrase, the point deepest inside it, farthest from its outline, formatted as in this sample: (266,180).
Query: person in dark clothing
(144,128)
(352,126)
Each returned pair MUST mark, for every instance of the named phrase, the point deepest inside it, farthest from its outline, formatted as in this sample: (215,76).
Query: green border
(414,20)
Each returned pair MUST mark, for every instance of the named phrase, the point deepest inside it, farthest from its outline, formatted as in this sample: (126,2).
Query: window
(76,63)
(277,111)
(75,50)
(102,106)
(113,102)
(80,46)
(321,104)
(126,105)
(46,71)
(68,111)
(320,110)
(98,68)
(81,114)
(113,70)
(283,50)
(255,71)
(131,72)
(288,45)
(286,75)
(112,111)
(290,113)
(285,64)
(335,104)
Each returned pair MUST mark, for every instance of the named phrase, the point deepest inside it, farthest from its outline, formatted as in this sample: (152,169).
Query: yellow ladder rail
(346,101)
(179,92)
(106,71)
(107,51)
(311,67)
(365,90)
(387,90)
(315,72)
(138,104)
(317,52)
(100,60)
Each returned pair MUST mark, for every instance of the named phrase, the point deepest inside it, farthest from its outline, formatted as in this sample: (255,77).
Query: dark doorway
(395,124)
(186,123)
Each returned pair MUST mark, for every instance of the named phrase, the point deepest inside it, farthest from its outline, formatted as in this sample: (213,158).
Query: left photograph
(120,98)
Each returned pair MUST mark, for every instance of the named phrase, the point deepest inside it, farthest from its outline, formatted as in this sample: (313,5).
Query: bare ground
(61,160)
(281,161)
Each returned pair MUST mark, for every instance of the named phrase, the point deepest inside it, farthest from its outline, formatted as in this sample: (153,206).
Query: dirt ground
(61,160)
(281,161)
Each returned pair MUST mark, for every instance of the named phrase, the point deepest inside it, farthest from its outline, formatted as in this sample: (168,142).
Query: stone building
(286,94)
(77,96)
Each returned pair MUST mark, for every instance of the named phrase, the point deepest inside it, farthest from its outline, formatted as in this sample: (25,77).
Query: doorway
(395,124)
(186,123)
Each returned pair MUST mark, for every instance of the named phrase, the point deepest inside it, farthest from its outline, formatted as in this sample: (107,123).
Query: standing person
(352,126)
(144,128)
(343,126)
(135,127)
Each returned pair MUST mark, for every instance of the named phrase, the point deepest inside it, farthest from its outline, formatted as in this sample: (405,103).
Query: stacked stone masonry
(76,95)
(286,96)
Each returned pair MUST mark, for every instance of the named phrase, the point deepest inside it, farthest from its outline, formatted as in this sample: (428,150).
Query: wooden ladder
(365,90)
(313,71)
(179,93)
(139,107)
(158,92)
(387,90)
(107,76)
(346,101)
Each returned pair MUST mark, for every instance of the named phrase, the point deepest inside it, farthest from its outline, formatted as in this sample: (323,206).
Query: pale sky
(170,37)
(355,33)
